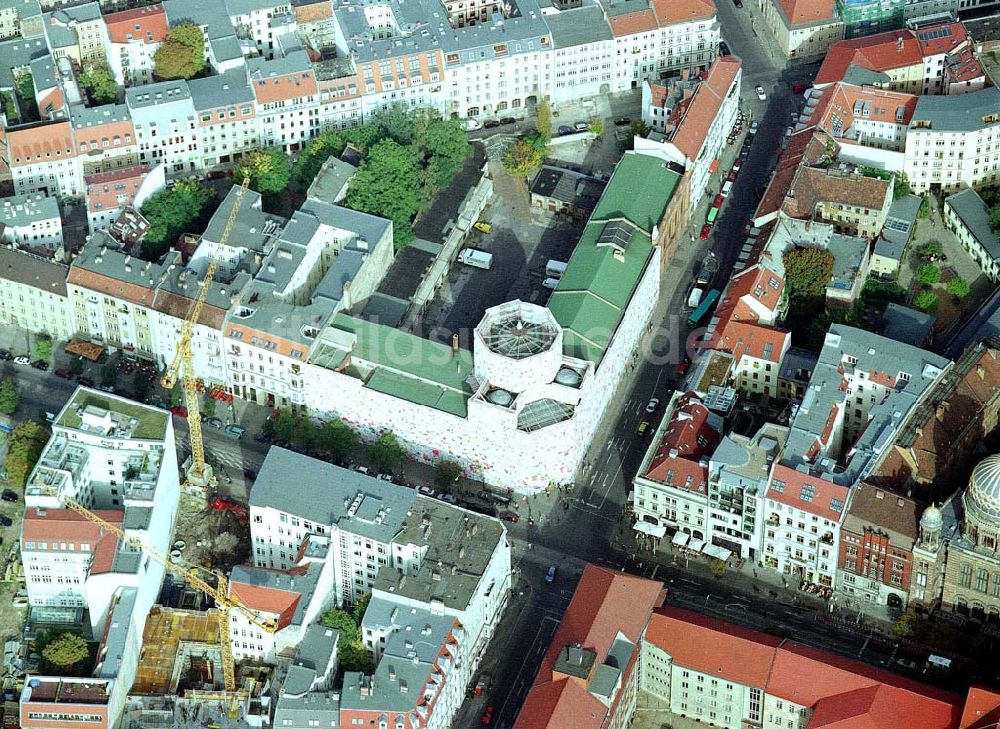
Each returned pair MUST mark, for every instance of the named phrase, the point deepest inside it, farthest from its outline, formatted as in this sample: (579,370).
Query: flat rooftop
(92,411)
(65,691)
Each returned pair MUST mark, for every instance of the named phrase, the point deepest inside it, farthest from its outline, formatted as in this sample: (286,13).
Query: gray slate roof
(905,324)
(16,53)
(18,210)
(299,712)
(225,89)
(301,583)
(962,113)
(83,116)
(140,97)
(972,211)
(32,270)
(326,494)
(578,26)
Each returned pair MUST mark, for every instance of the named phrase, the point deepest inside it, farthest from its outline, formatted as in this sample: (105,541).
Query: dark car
(508,120)
(491,124)
(5,355)
(8,495)
(510,516)
(214,422)
(564,130)
(738,3)
(5,520)
(744,153)
(40,364)
(64,374)
(723,49)
(85,381)
(623,121)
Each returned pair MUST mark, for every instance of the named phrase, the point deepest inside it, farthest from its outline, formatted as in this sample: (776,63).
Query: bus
(713,213)
(704,308)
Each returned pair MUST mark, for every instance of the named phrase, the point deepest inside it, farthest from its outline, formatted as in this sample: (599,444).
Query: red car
(488,715)
(65,374)
(509,516)
(731,177)
(737,165)
(799,88)
(705,231)
(683,367)
(719,199)
(180,411)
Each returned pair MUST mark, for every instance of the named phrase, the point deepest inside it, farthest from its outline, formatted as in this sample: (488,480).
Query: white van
(550,283)
(554,268)
(476,258)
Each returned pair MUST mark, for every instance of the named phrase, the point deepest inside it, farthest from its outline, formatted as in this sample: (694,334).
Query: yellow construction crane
(219,592)
(182,366)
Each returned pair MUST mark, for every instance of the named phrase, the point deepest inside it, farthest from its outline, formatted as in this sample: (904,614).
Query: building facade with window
(33,294)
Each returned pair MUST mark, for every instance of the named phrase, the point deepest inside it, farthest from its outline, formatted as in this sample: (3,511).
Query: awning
(680,539)
(696,545)
(714,166)
(79,347)
(713,550)
(653,530)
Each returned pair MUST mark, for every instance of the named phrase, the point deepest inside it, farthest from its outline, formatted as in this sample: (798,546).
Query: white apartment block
(33,294)
(954,142)
(583,58)
(165,123)
(967,215)
(135,35)
(43,158)
(287,98)
(31,221)
(227,124)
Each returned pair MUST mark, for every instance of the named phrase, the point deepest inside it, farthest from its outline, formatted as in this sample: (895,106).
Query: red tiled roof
(935,40)
(268,89)
(730,652)
(743,339)
(982,709)
(841,99)
(148,25)
(112,286)
(806,145)
(605,604)
(690,135)
(65,530)
(267,600)
(808,12)
(669,12)
(641,21)
(104,188)
(30,145)
(687,438)
(786,487)
(880,52)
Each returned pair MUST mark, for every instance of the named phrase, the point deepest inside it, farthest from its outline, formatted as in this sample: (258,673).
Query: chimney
(941,410)
(899,44)
(454,344)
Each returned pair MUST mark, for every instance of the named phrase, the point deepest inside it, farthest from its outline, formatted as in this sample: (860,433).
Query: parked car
(737,166)
(260,438)
(427,491)
(744,153)
(214,423)
(508,120)
(731,177)
(706,230)
(491,124)
(488,715)
(719,199)
(180,411)
(22,361)
(789,131)
(236,431)
(683,367)
(654,402)
(510,516)
(40,364)
(84,381)
(104,388)
(643,427)
(550,576)
(581,126)
(565,129)
(64,374)
(760,92)
(472,125)
(738,3)
(5,355)
(623,121)
(799,88)
(448,498)
(724,49)
(754,125)
(8,495)
(5,520)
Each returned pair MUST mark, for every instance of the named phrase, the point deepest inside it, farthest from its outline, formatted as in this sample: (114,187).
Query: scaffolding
(868,17)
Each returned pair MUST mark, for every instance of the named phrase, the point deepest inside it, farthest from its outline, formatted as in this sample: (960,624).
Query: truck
(476,258)
(554,268)
(704,308)
(694,298)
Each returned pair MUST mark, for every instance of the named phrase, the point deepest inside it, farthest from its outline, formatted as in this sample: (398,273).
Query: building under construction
(867,17)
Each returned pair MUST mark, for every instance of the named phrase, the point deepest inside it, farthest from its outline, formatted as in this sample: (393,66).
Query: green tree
(355,657)
(109,373)
(10,399)
(637,128)
(926,301)
(269,170)
(537,141)
(100,83)
(24,86)
(328,144)
(958,288)
(385,452)
(208,406)
(995,219)
(543,118)
(443,145)
(390,183)
(928,274)
(76,366)
(23,450)
(182,54)
(67,655)
(185,207)
(303,434)
(43,347)
(906,624)
(807,272)
(924,211)
(447,473)
(358,611)
(902,187)
(521,159)
(718,568)
(395,123)
(596,126)
(337,440)
(931,248)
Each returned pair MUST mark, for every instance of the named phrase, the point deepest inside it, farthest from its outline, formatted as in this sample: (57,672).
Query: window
(982,579)
(965,577)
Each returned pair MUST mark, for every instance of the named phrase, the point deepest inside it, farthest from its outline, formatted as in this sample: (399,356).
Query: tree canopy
(100,83)
(43,347)
(10,400)
(926,301)
(185,207)
(269,170)
(958,288)
(182,54)
(23,450)
(807,272)
(928,274)
(68,654)
(351,652)
(447,473)
(543,118)
(385,452)
(521,159)
(328,144)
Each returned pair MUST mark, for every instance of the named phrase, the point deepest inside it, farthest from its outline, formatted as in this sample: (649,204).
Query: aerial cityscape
(536,364)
